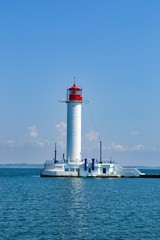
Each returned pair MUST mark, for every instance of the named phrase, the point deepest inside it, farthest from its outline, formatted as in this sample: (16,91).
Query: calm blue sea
(38,208)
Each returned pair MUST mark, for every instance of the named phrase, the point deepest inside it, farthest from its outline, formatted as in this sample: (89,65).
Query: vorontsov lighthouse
(74,165)
(74,102)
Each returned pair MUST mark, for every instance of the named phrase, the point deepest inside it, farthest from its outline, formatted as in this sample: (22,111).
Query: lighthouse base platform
(87,168)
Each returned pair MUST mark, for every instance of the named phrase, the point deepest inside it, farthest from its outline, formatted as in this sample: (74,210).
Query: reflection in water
(77,206)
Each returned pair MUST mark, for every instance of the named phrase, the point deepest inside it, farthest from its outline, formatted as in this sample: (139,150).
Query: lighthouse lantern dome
(74,93)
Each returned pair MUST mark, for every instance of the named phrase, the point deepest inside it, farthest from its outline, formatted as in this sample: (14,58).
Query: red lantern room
(74,93)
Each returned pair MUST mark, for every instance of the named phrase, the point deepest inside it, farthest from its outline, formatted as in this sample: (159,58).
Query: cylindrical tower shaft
(74,131)
(74,102)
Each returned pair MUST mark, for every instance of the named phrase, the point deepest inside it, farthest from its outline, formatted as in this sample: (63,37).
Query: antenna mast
(55,153)
(100,151)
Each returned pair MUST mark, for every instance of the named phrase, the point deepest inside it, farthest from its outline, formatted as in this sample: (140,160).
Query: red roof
(74,87)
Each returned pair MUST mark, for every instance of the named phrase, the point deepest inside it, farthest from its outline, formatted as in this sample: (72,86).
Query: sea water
(38,208)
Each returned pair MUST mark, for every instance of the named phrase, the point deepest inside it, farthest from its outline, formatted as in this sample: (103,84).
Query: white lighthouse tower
(74,165)
(74,102)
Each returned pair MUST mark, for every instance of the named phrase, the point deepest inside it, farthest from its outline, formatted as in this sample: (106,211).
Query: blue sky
(111,47)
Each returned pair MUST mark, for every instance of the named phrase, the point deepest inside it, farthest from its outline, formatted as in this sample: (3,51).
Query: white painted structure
(74,102)
(87,169)
(74,165)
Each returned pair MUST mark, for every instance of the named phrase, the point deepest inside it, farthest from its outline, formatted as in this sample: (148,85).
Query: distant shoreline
(26,165)
(21,165)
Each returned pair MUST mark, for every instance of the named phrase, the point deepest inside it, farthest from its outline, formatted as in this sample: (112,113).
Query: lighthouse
(74,104)
(73,165)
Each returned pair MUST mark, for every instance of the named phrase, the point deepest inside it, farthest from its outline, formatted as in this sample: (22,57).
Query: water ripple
(77,208)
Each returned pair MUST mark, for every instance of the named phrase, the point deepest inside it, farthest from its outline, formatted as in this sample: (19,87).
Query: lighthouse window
(72,169)
(104,170)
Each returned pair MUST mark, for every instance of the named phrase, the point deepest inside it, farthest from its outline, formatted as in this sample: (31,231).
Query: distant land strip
(40,165)
(21,165)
